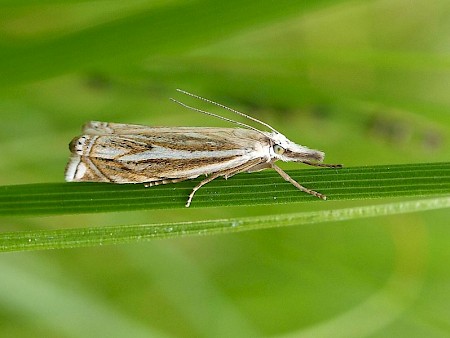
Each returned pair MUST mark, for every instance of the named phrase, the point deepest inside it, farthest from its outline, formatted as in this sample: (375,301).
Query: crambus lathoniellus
(127,153)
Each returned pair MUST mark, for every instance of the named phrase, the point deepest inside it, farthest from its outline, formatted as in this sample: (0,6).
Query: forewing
(110,128)
(161,153)
(102,128)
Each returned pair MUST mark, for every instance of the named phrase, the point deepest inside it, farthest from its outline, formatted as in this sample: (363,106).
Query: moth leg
(314,164)
(201,184)
(164,181)
(296,184)
(259,167)
(225,173)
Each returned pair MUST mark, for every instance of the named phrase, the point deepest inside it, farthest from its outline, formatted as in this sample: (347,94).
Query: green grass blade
(91,236)
(244,189)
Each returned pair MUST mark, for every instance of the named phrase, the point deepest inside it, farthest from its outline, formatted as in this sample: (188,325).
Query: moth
(128,153)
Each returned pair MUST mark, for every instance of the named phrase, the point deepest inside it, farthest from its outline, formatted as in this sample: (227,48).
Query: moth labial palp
(127,153)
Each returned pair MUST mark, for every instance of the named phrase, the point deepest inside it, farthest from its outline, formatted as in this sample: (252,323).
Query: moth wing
(110,128)
(168,142)
(161,154)
(106,128)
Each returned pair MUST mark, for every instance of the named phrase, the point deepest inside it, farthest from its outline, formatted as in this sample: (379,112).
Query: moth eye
(278,149)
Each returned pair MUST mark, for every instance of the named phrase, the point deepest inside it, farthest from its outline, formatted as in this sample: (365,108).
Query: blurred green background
(365,81)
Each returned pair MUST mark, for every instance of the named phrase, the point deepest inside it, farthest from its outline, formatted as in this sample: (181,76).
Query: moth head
(288,151)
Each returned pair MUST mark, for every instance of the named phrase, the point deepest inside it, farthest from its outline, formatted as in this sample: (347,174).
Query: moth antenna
(217,116)
(229,109)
